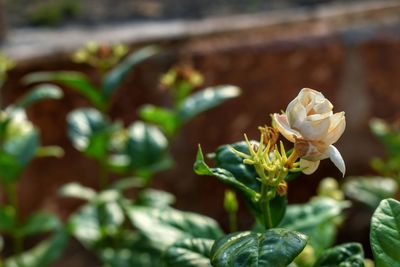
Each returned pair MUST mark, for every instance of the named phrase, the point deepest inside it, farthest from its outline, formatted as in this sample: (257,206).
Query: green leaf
(370,190)
(41,255)
(7,218)
(193,252)
(164,226)
(346,255)
(130,257)
(9,168)
(74,80)
(40,222)
(276,247)
(228,160)
(146,146)
(385,233)
(205,100)
(94,222)
(316,219)
(155,198)
(89,132)
(201,168)
(77,190)
(39,93)
(114,78)
(164,118)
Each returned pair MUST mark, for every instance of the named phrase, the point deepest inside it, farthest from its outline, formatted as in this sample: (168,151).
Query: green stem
(265,207)
(232,222)
(103,175)
(12,198)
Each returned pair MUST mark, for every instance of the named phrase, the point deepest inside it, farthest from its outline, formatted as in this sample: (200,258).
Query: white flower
(310,123)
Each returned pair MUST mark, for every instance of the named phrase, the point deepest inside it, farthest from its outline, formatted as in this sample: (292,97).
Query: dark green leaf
(370,190)
(385,233)
(146,146)
(201,168)
(164,226)
(205,100)
(75,80)
(276,247)
(155,198)
(41,255)
(315,219)
(9,168)
(114,78)
(193,252)
(228,160)
(164,118)
(40,92)
(346,255)
(40,222)
(89,132)
(77,190)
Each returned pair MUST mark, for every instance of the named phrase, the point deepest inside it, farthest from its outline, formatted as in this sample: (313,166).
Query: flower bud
(282,188)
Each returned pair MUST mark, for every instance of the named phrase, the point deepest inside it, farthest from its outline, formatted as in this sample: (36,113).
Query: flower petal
(336,129)
(282,124)
(308,167)
(314,130)
(296,113)
(337,159)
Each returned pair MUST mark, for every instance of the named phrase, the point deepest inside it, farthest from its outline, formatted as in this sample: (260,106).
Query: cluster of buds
(270,160)
(100,56)
(181,75)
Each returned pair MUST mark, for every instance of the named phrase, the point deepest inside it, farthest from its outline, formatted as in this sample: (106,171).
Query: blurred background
(349,50)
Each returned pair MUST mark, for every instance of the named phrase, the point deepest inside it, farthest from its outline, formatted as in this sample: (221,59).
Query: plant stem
(232,222)
(12,198)
(103,175)
(265,207)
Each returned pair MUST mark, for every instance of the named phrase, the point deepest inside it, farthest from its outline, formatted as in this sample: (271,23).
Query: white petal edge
(337,159)
(338,124)
(282,124)
(308,167)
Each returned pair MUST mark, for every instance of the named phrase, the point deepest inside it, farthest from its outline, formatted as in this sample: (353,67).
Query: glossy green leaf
(39,93)
(40,222)
(370,190)
(205,100)
(89,132)
(146,145)
(316,219)
(193,252)
(114,78)
(7,218)
(164,118)
(155,198)
(94,222)
(74,80)
(276,247)
(41,255)
(345,255)
(201,168)
(385,233)
(164,226)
